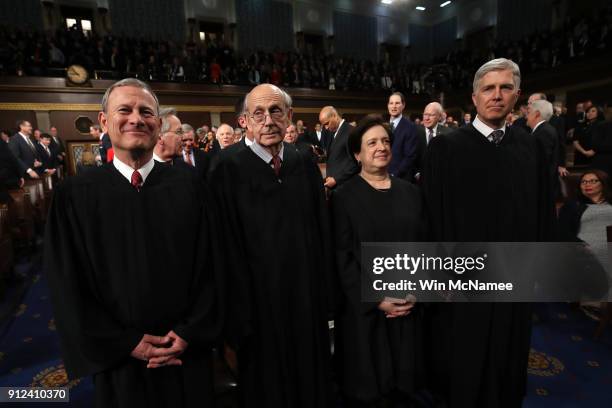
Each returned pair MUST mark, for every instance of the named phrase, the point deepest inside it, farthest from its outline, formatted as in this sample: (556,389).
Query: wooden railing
(21,219)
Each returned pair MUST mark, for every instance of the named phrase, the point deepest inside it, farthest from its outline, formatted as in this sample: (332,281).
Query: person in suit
(559,125)
(57,145)
(23,149)
(48,160)
(191,156)
(340,164)
(538,116)
(467,119)
(170,141)
(431,128)
(405,140)
(105,143)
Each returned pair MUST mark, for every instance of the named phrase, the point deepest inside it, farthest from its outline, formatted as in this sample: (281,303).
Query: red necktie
(188,159)
(276,163)
(136,180)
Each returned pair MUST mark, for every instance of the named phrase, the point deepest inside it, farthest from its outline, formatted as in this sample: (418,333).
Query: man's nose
(136,118)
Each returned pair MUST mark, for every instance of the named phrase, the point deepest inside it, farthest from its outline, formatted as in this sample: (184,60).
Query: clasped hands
(159,351)
(396,307)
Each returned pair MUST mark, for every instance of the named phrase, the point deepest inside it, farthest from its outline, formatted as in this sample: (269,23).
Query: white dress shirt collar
(248,141)
(484,129)
(396,121)
(126,171)
(263,153)
(536,126)
(339,126)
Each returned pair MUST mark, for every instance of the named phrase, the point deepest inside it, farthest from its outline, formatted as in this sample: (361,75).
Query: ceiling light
(446,3)
(420,8)
(387,1)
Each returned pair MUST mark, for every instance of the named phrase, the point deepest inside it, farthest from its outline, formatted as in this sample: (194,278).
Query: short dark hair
(602,176)
(401,95)
(21,122)
(365,124)
(45,136)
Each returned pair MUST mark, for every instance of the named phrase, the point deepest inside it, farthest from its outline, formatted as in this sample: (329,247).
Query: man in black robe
(485,182)
(133,297)
(279,261)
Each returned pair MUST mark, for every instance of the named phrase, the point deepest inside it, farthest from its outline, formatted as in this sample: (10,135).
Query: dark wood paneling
(8,119)
(229,118)
(64,121)
(309,119)
(195,119)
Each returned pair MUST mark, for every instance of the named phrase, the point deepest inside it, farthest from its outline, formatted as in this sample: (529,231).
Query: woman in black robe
(378,346)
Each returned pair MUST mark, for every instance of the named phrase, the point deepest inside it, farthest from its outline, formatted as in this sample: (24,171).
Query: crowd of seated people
(37,53)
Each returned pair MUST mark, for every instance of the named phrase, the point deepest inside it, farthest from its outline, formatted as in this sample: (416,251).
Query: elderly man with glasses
(279,262)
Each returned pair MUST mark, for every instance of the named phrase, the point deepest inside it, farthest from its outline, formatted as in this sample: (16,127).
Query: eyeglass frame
(592,181)
(267,113)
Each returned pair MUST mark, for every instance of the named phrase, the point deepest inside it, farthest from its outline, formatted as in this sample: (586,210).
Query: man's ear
(102,119)
(290,114)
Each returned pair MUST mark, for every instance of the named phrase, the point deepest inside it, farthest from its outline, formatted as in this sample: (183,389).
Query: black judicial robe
(123,263)
(375,355)
(279,265)
(477,192)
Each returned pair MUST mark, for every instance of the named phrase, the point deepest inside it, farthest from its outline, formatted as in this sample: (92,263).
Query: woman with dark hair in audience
(583,137)
(379,345)
(588,215)
(586,218)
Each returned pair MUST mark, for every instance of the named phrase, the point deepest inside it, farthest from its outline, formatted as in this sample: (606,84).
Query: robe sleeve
(329,282)
(91,339)
(348,264)
(436,188)
(236,296)
(203,321)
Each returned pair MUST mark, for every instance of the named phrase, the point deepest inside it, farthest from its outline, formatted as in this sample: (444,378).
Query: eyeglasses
(592,181)
(259,116)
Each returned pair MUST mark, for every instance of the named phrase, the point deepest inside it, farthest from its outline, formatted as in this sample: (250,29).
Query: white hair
(164,114)
(544,107)
(286,97)
(128,82)
(499,64)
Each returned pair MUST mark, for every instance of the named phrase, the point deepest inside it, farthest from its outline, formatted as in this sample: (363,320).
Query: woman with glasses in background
(585,220)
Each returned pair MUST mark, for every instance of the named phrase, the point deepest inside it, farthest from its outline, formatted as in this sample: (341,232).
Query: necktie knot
(496,136)
(136,180)
(276,164)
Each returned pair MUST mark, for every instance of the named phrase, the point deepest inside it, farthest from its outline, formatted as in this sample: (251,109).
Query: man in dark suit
(538,115)
(430,129)
(58,148)
(23,149)
(405,140)
(191,156)
(559,125)
(105,142)
(340,164)
(48,160)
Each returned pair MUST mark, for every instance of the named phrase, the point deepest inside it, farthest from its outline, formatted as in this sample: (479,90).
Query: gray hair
(164,113)
(539,95)
(499,64)
(544,107)
(128,82)
(186,127)
(222,125)
(286,97)
(438,107)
